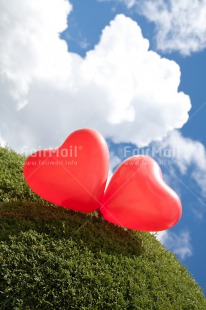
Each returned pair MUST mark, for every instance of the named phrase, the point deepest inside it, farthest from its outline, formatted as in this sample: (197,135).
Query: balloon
(138,198)
(74,175)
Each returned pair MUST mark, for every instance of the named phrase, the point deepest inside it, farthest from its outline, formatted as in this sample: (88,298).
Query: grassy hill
(51,258)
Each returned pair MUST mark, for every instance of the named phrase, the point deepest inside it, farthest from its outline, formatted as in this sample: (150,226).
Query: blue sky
(112,82)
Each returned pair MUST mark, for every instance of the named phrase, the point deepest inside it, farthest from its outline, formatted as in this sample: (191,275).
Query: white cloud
(179,244)
(30,46)
(2,142)
(120,88)
(180,25)
(186,153)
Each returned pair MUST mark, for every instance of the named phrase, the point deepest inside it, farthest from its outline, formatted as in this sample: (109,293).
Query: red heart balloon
(138,198)
(74,175)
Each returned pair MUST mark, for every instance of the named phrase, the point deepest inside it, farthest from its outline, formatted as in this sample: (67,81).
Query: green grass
(52,258)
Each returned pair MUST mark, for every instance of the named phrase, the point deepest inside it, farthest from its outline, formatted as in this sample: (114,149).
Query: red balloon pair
(74,176)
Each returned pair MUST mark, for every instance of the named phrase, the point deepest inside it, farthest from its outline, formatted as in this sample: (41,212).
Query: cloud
(180,25)
(186,154)
(179,244)
(2,142)
(30,46)
(31,54)
(120,88)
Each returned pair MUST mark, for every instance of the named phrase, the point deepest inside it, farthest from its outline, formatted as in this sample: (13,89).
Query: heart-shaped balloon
(138,198)
(74,175)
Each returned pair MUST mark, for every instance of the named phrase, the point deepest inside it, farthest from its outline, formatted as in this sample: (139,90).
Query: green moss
(52,258)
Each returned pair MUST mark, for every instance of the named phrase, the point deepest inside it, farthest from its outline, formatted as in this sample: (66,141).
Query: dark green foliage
(58,259)
(12,184)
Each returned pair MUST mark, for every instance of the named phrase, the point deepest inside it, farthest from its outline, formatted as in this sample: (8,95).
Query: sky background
(133,70)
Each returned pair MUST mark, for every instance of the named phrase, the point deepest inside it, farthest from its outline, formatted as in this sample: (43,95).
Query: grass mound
(52,258)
